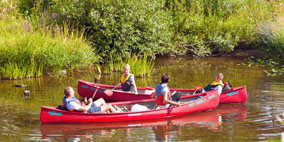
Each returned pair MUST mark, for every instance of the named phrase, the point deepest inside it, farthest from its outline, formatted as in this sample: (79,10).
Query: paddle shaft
(97,88)
(197,87)
(194,91)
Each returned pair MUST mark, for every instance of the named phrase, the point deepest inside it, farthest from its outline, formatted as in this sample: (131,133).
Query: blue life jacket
(160,93)
(67,101)
(160,89)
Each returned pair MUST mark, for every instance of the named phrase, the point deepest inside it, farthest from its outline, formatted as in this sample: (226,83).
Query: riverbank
(45,38)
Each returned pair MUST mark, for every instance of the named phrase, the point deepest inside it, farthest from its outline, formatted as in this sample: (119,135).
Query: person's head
(126,69)
(219,76)
(165,78)
(69,92)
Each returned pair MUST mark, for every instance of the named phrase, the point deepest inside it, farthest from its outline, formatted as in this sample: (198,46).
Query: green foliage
(117,27)
(271,40)
(216,26)
(27,51)
(271,36)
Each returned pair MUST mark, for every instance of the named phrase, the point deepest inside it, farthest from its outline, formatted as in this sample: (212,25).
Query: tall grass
(139,66)
(28,51)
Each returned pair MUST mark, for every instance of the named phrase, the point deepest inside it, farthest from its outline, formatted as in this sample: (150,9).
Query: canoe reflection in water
(161,127)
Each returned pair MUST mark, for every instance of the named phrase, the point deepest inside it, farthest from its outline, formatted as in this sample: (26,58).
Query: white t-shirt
(131,78)
(219,88)
(75,105)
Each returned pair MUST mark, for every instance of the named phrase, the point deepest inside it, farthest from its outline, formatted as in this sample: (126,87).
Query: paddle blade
(198,87)
(108,92)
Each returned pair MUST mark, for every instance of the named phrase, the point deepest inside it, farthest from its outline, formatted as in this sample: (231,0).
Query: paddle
(107,92)
(196,88)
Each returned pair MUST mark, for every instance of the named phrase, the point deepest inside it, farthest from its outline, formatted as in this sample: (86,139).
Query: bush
(217,26)
(117,27)
(271,36)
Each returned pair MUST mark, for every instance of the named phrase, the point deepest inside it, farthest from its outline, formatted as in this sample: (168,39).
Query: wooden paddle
(196,88)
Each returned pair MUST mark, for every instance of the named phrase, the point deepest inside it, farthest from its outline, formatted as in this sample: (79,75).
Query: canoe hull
(87,89)
(208,119)
(210,100)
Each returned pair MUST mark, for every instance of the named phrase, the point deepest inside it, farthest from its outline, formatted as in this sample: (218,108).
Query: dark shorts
(176,97)
(95,108)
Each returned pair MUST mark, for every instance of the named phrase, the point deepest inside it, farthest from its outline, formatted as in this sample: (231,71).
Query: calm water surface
(252,121)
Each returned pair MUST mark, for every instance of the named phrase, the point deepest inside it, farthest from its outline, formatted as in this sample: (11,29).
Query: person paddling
(163,95)
(71,103)
(127,81)
(215,85)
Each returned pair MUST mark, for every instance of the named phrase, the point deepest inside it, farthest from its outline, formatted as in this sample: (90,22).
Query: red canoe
(190,104)
(87,89)
(209,119)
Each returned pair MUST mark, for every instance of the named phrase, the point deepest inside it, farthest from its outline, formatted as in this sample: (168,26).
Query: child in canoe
(71,103)
(163,95)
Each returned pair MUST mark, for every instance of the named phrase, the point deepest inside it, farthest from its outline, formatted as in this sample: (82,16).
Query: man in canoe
(127,80)
(163,95)
(70,102)
(215,85)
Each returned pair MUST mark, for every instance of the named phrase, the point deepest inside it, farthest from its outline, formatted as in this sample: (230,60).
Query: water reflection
(161,128)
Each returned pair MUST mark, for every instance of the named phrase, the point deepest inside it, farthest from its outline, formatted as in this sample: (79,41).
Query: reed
(31,51)
(139,66)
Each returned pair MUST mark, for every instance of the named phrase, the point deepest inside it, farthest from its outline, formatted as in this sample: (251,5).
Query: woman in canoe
(72,103)
(127,80)
(163,95)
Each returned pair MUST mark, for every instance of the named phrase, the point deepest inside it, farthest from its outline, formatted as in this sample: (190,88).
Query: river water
(253,121)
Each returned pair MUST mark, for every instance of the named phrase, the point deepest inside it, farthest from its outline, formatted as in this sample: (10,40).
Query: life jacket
(67,101)
(160,93)
(125,83)
(213,85)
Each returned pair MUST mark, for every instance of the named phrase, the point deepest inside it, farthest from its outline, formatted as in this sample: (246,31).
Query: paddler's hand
(85,100)
(90,100)
(178,103)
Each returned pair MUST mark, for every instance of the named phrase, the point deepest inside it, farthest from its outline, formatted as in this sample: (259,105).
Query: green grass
(31,51)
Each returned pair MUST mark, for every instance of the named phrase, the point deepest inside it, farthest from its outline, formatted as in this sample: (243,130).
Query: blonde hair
(68,90)
(126,66)
(220,76)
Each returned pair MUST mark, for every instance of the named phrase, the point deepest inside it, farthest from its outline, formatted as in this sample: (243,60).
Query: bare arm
(134,85)
(166,94)
(86,107)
